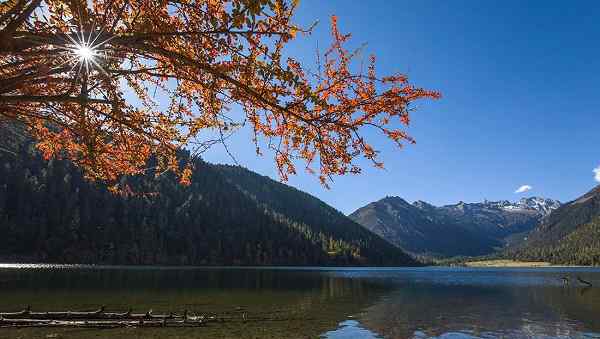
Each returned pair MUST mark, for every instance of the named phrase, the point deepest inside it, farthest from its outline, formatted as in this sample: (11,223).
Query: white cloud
(523,189)
(597,173)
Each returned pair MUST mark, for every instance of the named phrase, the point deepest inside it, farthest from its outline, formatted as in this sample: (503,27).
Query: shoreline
(500,263)
(505,263)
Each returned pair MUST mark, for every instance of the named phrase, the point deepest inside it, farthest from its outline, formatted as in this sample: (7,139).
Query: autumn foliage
(110,83)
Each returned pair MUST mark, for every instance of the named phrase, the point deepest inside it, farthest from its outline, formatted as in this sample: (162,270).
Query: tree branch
(51,98)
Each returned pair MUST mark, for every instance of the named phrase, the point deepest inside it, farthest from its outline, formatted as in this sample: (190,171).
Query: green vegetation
(581,247)
(568,236)
(227,216)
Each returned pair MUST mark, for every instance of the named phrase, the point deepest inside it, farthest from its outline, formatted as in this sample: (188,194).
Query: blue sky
(521,99)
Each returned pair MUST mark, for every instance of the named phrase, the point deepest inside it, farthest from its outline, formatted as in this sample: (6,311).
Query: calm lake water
(316,302)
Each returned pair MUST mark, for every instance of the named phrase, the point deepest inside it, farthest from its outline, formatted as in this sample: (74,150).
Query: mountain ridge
(469,229)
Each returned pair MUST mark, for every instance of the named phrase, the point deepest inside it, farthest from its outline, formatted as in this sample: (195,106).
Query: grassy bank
(508,263)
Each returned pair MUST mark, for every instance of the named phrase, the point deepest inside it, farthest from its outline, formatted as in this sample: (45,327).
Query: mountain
(420,229)
(500,219)
(227,216)
(537,204)
(569,235)
(467,229)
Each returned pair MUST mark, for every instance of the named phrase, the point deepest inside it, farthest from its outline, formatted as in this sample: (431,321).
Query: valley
(531,232)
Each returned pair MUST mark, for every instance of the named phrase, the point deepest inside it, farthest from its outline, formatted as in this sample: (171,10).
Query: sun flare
(84,53)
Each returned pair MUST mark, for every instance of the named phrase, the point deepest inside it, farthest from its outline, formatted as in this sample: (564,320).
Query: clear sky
(521,99)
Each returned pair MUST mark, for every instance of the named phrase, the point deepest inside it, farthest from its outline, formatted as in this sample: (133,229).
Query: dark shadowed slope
(227,216)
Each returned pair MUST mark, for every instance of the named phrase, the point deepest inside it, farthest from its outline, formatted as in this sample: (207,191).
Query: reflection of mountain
(306,303)
(489,311)
(283,303)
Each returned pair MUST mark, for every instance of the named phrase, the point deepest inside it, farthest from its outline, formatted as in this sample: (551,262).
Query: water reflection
(289,303)
(351,329)
(313,302)
(439,309)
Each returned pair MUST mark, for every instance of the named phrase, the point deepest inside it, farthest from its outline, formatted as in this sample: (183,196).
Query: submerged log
(98,323)
(583,281)
(88,315)
(99,318)
(102,319)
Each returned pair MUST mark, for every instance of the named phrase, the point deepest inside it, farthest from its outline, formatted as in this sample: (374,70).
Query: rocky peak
(541,205)
(394,201)
(423,205)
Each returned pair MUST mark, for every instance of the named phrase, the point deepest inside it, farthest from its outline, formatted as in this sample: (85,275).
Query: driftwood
(101,319)
(97,323)
(583,281)
(566,281)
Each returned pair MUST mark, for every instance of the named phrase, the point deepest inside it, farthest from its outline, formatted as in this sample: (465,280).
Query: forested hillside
(570,235)
(227,216)
(580,247)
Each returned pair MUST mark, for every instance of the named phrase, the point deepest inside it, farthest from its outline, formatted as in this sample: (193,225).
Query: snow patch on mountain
(541,205)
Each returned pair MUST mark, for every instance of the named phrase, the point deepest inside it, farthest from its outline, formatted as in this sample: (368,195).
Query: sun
(84,53)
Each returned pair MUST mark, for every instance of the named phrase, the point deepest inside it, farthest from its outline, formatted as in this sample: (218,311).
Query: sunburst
(85,53)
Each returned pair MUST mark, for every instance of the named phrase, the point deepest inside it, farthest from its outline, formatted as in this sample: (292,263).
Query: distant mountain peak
(394,200)
(460,229)
(541,205)
(420,204)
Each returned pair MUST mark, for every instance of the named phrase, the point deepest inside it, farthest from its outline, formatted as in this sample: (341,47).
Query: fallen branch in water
(584,282)
(100,319)
(98,323)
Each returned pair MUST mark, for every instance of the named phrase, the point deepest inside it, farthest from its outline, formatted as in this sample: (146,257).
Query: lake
(336,303)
